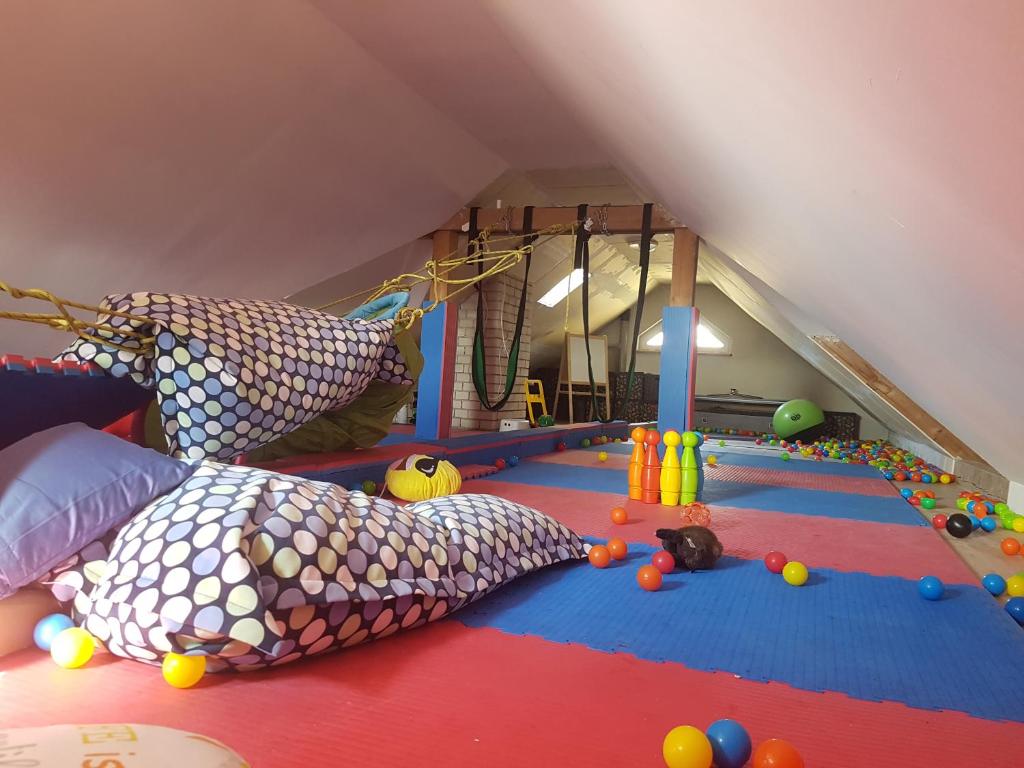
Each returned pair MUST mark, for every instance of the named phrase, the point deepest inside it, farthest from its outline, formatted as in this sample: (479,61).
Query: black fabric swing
(581,260)
(479,347)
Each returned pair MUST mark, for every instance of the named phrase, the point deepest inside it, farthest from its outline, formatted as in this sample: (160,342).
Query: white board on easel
(573,375)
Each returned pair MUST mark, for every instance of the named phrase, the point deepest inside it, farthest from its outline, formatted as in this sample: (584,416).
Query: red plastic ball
(916,477)
(560,447)
(599,556)
(649,578)
(899,477)
(499,463)
(939,522)
(620,516)
(776,753)
(915,501)
(775,561)
(618,549)
(663,561)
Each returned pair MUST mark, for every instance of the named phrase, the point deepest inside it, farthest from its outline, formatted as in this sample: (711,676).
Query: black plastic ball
(959,526)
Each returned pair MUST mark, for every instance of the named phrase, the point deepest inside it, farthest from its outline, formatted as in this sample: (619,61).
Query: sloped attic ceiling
(860,159)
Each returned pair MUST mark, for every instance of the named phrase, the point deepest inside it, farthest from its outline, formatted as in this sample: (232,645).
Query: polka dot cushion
(255,569)
(232,375)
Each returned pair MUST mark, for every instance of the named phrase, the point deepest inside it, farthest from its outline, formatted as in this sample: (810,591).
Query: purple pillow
(65,487)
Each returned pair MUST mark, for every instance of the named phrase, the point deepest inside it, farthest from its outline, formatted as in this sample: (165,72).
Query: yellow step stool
(534,398)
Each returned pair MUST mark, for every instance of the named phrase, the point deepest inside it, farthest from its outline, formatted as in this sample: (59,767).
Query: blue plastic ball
(887,475)
(930,587)
(48,628)
(989,524)
(513,461)
(975,522)
(906,493)
(730,743)
(1015,607)
(926,478)
(994,583)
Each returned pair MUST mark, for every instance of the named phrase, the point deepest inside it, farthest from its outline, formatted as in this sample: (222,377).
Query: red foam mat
(882,549)
(448,695)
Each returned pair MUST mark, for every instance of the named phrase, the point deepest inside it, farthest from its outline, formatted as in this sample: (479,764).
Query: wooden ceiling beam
(897,398)
(622,219)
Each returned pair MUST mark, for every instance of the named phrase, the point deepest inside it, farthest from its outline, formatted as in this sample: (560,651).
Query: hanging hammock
(581,260)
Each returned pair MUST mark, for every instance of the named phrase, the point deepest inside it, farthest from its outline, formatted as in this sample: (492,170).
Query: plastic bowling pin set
(677,479)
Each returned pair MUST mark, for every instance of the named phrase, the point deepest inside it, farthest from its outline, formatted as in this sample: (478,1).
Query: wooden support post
(446,243)
(679,320)
(684,268)
(622,219)
(897,398)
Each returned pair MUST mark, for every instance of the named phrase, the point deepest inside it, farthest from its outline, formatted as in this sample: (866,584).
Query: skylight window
(710,340)
(562,288)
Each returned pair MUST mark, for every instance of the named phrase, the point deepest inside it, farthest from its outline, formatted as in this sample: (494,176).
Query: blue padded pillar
(678,368)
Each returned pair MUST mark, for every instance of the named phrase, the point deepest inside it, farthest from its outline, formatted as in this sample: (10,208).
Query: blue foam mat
(769,460)
(849,506)
(870,637)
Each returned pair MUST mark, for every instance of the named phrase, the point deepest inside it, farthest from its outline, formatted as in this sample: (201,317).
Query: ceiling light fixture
(562,288)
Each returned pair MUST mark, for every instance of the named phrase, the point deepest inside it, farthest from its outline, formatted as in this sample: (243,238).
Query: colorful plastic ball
(939,522)
(721,443)
(1018,524)
(784,456)
(927,503)
(795,574)
(930,587)
(1015,607)
(906,493)
(585,442)
(686,747)
(369,487)
(71,648)
(513,461)
(759,441)
(959,526)
(183,671)
(730,744)
(560,446)
(775,561)
(945,479)
(618,549)
(599,556)
(1010,546)
(975,522)
(500,463)
(994,583)
(48,628)
(926,478)
(914,501)
(1001,508)
(915,477)
(961,504)
(711,460)
(976,508)
(649,578)
(663,561)
(620,516)
(776,753)
(1014,587)
(988,524)
(602,456)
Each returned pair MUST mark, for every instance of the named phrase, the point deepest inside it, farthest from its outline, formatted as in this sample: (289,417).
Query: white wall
(759,365)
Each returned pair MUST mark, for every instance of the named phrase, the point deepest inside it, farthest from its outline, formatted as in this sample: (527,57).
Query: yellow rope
(63,320)
(437,272)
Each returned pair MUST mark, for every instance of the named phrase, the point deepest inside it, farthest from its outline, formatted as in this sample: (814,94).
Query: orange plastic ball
(599,556)
(649,578)
(1010,546)
(620,516)
(776,753)
(617,548)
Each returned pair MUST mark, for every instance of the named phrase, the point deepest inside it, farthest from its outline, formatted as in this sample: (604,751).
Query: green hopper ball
(927,503)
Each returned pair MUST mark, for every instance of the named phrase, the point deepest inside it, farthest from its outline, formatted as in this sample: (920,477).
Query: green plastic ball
(796,416)
(927,503)
(369,487)
(585,442)
(784,456)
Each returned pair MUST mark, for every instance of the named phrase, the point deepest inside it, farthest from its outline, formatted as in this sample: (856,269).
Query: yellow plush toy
(420,477)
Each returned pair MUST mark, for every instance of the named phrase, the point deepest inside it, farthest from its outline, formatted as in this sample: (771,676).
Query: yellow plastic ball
(686,747)
(1018,525)
(1015,586)
(712,460)
(795,573)
(602,456)
(72,648)
(183,671)
(945,479)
